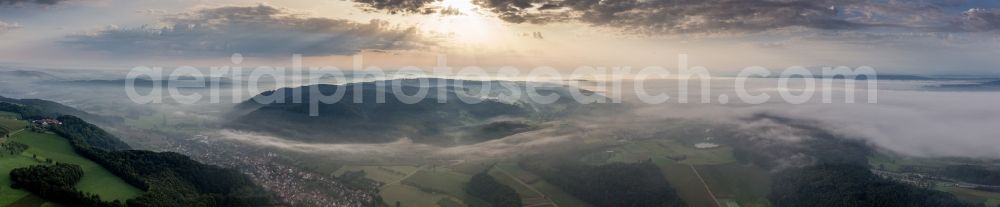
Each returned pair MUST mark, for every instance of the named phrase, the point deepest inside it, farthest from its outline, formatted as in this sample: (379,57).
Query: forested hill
(167,178)
(45,108)
(363,115)
(75,128)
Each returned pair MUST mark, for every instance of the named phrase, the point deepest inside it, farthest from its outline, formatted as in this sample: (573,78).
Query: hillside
(28,75)
(155,178)
(363,118)
(52,109)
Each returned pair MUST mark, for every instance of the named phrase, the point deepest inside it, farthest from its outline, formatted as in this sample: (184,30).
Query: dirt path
(706,185)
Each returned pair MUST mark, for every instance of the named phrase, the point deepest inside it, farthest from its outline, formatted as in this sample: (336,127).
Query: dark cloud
(731,16)
(981,20)
(43,2)
(399,6)
(260,29)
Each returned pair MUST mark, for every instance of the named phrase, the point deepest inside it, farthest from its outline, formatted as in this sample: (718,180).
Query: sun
(464,7)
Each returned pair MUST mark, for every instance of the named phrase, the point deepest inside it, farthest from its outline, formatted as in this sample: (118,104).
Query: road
(706,185)
(404,177)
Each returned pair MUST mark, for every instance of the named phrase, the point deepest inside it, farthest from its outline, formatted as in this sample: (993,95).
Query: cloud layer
(259,29)
(43,2)
(729,16)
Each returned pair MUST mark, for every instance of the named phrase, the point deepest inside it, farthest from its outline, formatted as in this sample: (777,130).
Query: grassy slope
(9,115)
(8,163)
(12,124)
(95,180)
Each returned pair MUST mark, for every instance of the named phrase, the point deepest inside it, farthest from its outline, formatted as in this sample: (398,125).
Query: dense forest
(168,179)
(846,185)
(972,174)
(55,182)
(616,184)
(26,112)
(485,187)
(76,129)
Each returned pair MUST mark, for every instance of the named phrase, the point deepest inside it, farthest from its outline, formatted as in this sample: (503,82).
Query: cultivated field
(441,180)
(12,124)
(8,115)
(687,184)
(382,174)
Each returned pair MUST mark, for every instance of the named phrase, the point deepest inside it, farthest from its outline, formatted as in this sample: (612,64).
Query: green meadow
(45,146)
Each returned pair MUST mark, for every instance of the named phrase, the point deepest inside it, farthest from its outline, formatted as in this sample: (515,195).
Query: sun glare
(466,7)
(462,21)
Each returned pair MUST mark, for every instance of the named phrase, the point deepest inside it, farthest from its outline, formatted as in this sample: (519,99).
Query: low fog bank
(906,119)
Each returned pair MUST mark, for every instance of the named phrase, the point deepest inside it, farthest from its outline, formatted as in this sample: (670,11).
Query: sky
(939,37)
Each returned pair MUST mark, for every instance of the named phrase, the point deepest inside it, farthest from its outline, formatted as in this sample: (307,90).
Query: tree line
(485,187)
(55,182)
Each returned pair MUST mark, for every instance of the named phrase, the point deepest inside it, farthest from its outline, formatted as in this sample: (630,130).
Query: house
(46,122)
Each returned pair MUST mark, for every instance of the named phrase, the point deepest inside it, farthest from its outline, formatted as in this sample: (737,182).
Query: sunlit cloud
(262,29)
(6,27)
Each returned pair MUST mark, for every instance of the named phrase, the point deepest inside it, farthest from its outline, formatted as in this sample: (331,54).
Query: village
(926,180)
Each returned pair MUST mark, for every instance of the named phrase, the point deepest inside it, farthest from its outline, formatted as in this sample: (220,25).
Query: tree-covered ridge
(615,184)
(76,129)
(37,108)
(485,187)
(26,112)
(373,112)
(172,179)
(168,179)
